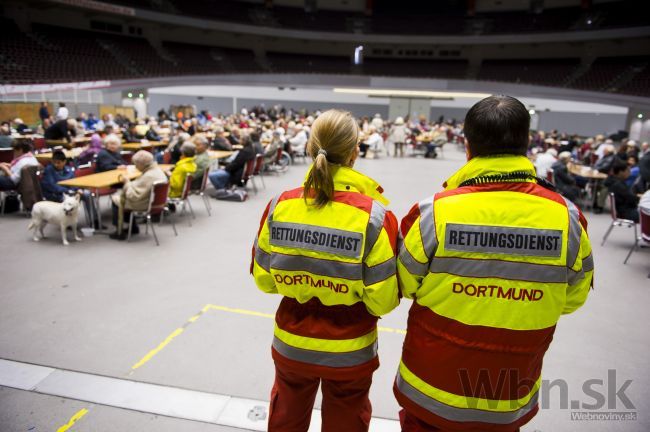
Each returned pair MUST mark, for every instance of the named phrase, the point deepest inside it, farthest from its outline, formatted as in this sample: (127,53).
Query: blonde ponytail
(334,138)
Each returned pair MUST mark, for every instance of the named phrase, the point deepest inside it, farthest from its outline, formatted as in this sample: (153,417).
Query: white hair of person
(565,156)
(143,158)
(552,151)
(188,149)
(112,138)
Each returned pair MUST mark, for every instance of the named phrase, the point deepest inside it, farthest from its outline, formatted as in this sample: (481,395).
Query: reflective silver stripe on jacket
(320,358)
(334,269)
(575,231)
(462,414)
(413,266)
(499,269)
(379,272)
(375,224)
(274,202)
(428,228)
(588,263)
(262,258)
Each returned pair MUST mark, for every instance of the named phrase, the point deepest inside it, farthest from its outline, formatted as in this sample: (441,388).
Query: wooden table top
(586,172)
(132,146)
(70,154)
(106,179)
(219,154)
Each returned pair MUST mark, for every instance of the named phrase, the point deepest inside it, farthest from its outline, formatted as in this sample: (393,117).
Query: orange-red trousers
(345,406)
(411,423)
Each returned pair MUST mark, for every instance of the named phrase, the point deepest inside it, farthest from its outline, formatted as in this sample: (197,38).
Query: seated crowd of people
(622,169)
(276,133)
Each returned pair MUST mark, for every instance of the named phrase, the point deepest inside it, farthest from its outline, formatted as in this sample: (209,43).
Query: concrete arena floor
(99,306)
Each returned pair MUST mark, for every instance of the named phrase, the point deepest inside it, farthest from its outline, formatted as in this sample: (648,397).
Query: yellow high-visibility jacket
(336,268)
(490,263)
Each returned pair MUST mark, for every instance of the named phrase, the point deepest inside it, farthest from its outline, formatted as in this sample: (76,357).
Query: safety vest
(336,268)
(490,265)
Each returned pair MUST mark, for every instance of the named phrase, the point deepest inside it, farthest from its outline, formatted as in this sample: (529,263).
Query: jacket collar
(490,165)
(348,180)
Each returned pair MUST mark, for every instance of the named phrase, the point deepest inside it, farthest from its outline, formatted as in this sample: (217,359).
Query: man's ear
(468,153)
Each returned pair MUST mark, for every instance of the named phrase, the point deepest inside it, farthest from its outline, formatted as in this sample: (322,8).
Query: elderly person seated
(220,142)
(374,142)
(298,141)
(564,180)
(10,173)
(184,167)
(135,195)
(625,201)
(109,158)
(202,159)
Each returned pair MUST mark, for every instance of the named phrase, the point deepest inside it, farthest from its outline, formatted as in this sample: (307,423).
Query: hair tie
(322,152)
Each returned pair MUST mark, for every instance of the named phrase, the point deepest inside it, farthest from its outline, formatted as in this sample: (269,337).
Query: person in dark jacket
(130,134)
(59,130)
(58,171)
(43,112)
(564,180)
(110,158)
(626,201)
(233,172)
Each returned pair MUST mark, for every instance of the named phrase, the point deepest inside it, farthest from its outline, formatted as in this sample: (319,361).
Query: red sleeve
(390,225)
(409,219)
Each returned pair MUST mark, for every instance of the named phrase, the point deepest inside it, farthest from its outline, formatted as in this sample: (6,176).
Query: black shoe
(118,236)
(135,230)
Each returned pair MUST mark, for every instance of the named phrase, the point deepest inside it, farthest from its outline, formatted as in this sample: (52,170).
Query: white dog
(64,214)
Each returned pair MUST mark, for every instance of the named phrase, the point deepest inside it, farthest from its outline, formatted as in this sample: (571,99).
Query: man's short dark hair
(255,136)
(22,145)
(58,155)
(497,125)
(619,166)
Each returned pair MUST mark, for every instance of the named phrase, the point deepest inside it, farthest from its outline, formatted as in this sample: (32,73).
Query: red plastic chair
(157,206)
(258,169)
(127,156)
(616,221)
(550,176)
(39,144)
(167,157)
(6,155)
(184,200)
(84,170)
(249,170)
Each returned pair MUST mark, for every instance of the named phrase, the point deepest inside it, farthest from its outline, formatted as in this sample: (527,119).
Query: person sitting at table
(564,180)
(21,127)
(233,172)
(604,164)
(235,136)
(57,171)
(626,201)
(109,158)
(130,134)
(151,134)
(633,163)
(298,141)
(10,172)
(545,161)
(201,160)
(271,151)
(182,169)
(5,136)
(63,129)
(135,194)
(374,142)
(220,142)
(91,151)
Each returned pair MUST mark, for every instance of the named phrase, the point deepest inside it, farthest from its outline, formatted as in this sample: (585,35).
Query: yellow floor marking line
(266,315)
(167,340)
(74,419)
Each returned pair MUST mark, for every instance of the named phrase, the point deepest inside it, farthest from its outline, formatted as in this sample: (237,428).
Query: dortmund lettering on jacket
(317,238)
(505,240)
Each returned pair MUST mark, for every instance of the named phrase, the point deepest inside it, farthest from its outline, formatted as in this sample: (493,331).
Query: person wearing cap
(328,248)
